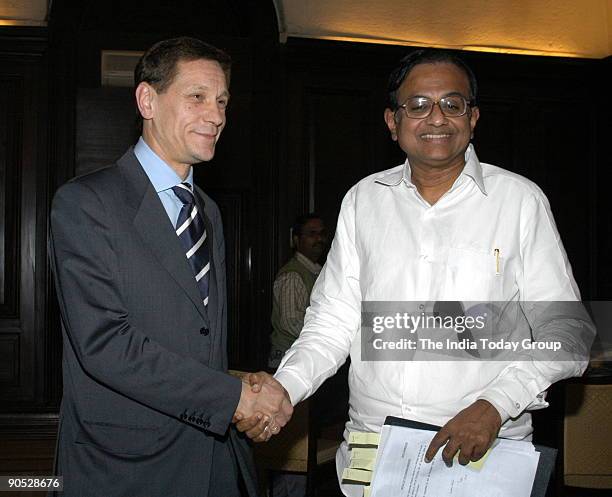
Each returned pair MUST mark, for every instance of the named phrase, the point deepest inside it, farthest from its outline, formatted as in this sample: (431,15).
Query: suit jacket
(146,391)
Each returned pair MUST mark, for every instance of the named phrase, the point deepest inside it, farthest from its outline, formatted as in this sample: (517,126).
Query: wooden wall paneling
(266,92)
(24,349)
(601,273)
(333,129)
(339,154)
(105,126)
(496,138)
(232,205)
(11,127)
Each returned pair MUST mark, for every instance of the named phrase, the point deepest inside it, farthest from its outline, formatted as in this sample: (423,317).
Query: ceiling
(23,12)
(541,27)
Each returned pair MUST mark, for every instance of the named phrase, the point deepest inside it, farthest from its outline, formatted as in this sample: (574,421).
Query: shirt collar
(161,175)
(313,267)
(472,169)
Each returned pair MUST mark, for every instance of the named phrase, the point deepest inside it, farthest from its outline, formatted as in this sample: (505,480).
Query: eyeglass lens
(452,106)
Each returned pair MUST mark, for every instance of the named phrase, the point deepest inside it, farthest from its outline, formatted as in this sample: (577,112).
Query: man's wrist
(503,415)
(293,387)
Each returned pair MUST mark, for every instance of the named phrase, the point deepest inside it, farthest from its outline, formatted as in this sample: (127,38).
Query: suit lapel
(151,222)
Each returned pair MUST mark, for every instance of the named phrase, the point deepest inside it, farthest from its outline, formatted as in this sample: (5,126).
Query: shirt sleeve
(292,297)
(333,318)
(550,300)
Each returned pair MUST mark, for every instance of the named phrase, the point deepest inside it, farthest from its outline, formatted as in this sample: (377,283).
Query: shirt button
(517,405)
(204,331)
(421,307)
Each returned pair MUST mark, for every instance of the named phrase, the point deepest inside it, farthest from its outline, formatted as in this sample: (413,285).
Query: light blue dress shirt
(163,178)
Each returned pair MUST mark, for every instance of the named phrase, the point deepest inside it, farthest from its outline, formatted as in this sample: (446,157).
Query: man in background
(294,282)
(291,297)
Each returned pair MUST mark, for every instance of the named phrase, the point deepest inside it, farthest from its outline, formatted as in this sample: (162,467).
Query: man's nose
(214,114)
(436,117)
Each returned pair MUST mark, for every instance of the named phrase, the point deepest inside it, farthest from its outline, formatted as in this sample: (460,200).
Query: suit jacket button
(183,416)
(199,421)
(204,331)
(206,424)
(192,419)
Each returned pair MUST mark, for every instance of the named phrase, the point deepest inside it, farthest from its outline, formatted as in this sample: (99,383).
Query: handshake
(264,407)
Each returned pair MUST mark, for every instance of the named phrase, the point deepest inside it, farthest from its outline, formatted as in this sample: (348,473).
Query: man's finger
(437,441)
(259,428)
(264,436)
(249,423)
(255,380)
(478,453)
(448,454)
(465,456)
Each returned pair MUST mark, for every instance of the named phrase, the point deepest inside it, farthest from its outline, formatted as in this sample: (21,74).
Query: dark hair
(158,64)
(300,221)
(426,56)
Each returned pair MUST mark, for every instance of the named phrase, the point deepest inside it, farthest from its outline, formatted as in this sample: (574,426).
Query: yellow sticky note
(358,438)
(364,453)
(362,464)
(357,475)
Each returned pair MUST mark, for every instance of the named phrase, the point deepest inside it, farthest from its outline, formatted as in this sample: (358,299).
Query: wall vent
(117,67)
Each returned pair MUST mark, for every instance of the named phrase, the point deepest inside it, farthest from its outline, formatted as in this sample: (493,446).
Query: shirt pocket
(474,275)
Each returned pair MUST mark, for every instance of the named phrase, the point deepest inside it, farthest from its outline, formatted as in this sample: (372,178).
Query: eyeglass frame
(468,104)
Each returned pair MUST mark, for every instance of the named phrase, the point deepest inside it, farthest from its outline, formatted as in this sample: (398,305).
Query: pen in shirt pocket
(497,255)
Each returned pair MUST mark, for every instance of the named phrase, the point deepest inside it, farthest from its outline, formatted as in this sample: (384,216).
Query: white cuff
(295,387)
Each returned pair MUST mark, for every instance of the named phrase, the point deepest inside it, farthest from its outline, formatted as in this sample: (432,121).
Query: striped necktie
(191,231)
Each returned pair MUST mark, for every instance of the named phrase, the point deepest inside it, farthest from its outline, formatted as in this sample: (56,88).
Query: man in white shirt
(440,227)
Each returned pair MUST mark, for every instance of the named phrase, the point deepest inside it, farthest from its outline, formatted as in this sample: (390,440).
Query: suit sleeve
(108,346)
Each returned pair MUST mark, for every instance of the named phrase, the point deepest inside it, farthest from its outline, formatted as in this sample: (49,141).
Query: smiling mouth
(208,136)
(431,136)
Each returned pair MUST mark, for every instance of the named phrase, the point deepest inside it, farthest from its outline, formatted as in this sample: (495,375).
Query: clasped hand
(264,407)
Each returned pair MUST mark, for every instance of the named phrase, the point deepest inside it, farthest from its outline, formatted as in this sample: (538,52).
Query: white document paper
(401,470)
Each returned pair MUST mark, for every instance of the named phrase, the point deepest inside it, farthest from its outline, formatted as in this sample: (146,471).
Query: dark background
(305,123)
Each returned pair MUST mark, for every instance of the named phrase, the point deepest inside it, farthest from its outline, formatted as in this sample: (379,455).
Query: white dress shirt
(391,245)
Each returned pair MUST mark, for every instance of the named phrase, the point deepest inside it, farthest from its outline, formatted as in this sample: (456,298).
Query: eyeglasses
(421,107)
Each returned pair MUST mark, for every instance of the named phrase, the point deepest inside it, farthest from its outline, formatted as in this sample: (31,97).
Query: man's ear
(391,123)
(294,241)
(145,99)
(474,115)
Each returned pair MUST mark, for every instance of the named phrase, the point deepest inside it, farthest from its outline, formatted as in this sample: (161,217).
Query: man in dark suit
(138,255)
